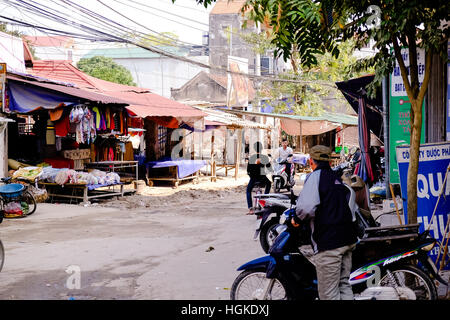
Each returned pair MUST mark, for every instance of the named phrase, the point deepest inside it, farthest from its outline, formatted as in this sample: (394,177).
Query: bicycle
(17,195)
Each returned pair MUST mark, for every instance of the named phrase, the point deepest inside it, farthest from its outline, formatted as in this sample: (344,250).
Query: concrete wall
(201,89)
(220,39)
(161,74)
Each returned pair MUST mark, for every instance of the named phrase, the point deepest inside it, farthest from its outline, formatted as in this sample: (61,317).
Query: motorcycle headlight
(283,219)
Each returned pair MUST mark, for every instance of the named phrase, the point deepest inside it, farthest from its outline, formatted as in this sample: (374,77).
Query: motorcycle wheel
(268,234)
(277,186)
(413,278)
(251,284)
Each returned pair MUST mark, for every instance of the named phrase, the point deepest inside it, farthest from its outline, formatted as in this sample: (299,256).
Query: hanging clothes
(62,126)
(129,152)
(50,133)
(97,117)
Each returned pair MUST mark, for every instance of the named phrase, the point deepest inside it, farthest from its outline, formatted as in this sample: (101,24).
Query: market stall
(62,130)
(174,170)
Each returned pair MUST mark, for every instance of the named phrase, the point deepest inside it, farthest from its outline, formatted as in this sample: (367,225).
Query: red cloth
(62,126)
(60,163)
(168,122)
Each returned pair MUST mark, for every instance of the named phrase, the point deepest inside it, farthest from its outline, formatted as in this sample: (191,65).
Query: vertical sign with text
(434,158)
(400,111)
(448,92)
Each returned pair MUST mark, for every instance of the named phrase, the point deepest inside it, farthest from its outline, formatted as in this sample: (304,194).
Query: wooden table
(88,192)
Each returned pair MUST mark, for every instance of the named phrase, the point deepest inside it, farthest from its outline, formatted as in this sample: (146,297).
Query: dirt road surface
(183,243)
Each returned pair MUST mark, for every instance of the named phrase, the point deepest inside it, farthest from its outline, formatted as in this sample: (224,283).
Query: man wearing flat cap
(323,202)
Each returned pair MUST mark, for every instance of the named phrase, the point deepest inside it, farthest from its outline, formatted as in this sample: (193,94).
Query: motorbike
(401,270)
(271,206)
(280,178)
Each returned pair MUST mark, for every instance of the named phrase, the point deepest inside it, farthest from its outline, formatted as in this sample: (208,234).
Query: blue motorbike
(389,263)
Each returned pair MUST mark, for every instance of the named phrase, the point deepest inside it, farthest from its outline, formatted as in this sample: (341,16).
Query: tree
(310,27)
(308,99)
(106,69)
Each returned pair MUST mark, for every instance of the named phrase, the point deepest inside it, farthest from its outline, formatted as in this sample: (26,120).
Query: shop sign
(434,158)
(400,111)
(448,92)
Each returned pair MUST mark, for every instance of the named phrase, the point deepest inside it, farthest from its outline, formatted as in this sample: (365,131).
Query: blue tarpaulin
(184,167)
(25,98)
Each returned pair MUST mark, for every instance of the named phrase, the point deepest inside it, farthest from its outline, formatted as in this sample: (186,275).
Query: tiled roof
(49,41)
(228,6)
(142,102)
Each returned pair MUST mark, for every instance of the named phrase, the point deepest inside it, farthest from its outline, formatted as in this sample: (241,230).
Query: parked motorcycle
(269,209)
(271,206)
(399,271)
(280,177)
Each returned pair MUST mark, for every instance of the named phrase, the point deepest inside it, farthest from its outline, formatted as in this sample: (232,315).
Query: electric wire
(108,37)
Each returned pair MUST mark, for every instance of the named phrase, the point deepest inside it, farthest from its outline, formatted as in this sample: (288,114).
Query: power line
(126,29)
(114,38)
(170,13)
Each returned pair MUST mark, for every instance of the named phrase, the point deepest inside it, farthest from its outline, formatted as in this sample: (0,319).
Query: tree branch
(403,70)
(426,77)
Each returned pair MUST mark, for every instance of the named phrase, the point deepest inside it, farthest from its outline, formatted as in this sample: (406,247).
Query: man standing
(324,202)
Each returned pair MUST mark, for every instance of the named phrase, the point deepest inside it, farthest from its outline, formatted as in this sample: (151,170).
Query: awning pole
(301,137)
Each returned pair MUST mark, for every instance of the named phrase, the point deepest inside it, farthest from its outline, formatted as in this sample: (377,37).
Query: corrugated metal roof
(327,116)
(142,102)
(228,7)
(72,91)
(231,120)
(50,41)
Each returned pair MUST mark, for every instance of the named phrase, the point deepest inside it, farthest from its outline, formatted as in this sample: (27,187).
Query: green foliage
(309,98)
(306,28)
(4,29)
(106,69)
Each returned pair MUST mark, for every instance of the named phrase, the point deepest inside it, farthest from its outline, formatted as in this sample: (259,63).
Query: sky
(185,18)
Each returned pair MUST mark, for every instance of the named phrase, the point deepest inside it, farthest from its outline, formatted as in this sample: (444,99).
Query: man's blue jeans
(263,180)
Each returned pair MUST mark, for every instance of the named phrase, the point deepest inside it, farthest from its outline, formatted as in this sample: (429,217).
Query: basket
(11,190)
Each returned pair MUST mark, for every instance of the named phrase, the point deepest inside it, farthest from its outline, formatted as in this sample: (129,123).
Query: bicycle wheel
(28,203)
(2,255)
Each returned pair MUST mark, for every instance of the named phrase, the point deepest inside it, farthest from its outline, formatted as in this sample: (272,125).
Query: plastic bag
(13,208)
(62,177)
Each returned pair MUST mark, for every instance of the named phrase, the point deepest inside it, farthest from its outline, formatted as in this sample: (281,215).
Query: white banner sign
(397,86)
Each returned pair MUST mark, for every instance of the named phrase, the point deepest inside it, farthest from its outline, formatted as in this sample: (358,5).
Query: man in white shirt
(284,152)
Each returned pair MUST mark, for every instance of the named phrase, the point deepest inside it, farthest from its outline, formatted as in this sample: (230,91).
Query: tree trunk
(416,126)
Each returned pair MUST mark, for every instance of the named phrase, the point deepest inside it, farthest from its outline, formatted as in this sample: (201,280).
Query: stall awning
(352,89)
(306,125)
(307,128)
(26,95)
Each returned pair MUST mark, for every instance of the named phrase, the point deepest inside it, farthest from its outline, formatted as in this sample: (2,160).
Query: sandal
(250,211)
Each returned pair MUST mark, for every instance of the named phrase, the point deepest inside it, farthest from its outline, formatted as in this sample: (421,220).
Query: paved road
(185,251)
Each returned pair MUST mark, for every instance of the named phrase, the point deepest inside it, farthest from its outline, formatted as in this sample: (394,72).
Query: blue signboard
(448,92)
(434,158)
